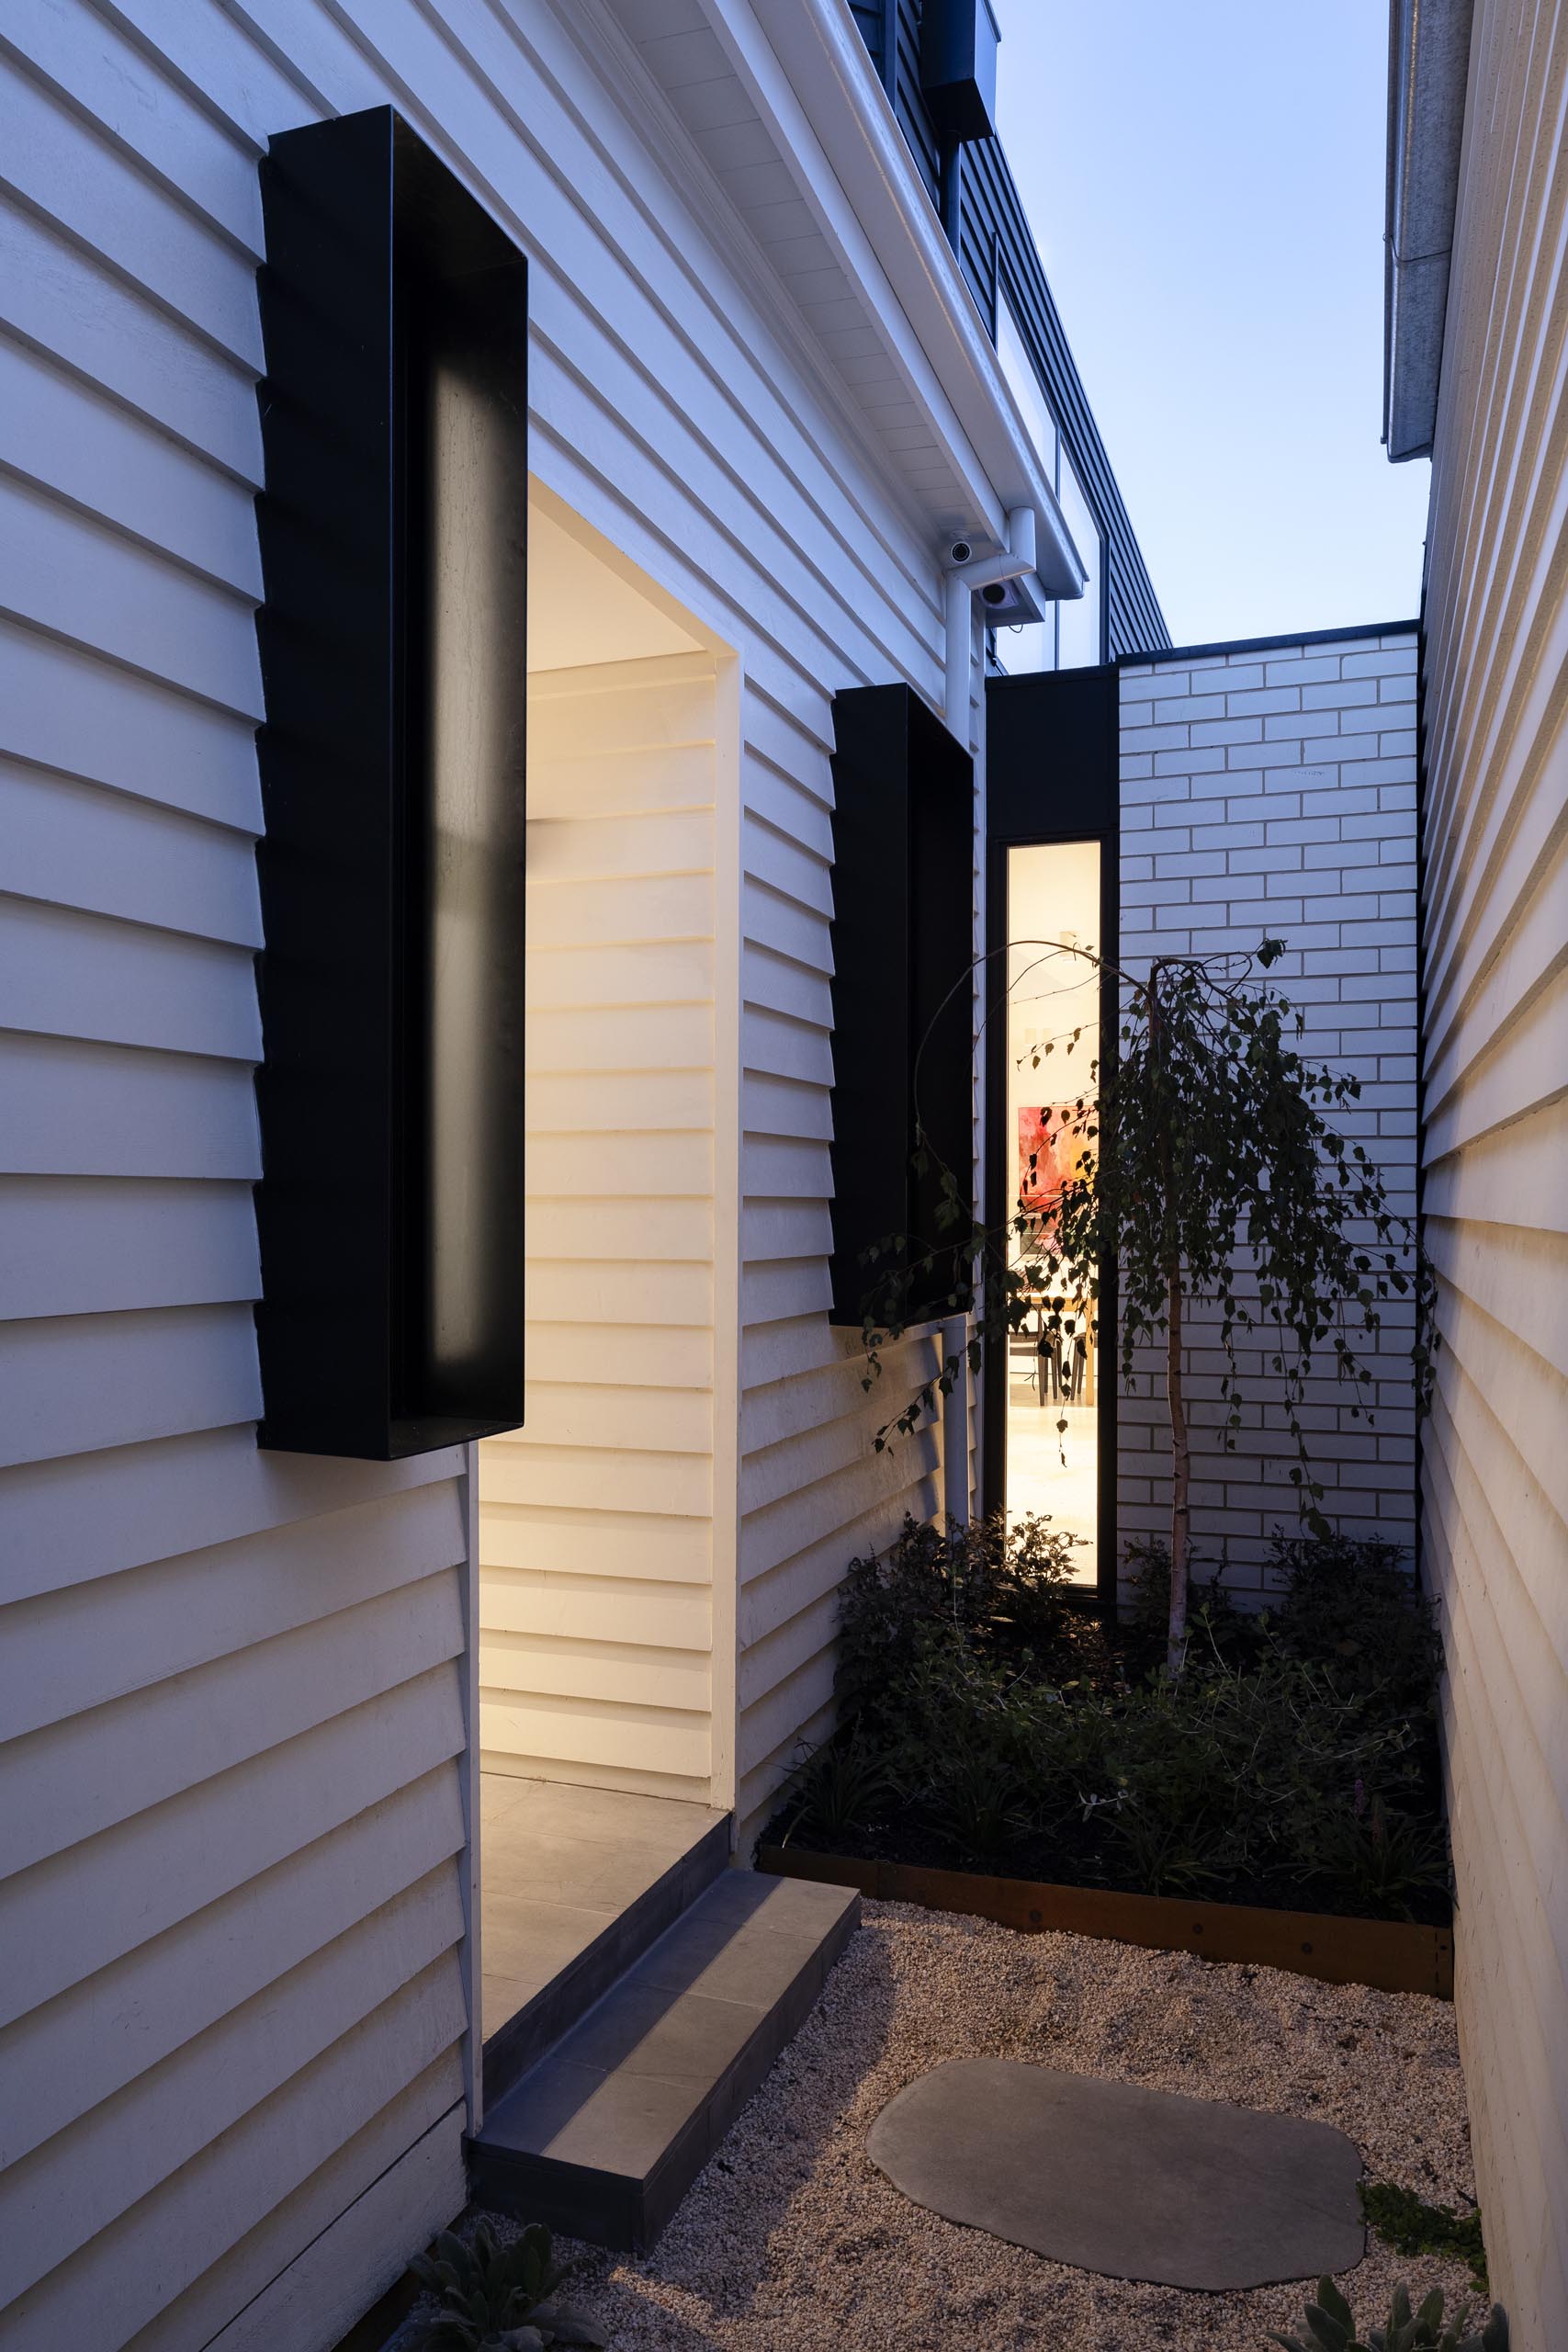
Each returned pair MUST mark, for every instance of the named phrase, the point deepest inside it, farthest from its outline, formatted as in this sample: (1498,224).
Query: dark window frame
(902,939)
(1053,774)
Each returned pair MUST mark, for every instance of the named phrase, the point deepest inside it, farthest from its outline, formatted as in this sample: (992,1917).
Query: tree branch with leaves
(1207,1169)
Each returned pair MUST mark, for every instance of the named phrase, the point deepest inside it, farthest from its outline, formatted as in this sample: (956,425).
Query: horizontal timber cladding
(1494,1067)
(973,188)
(233,1800)
(596,1604)
(814,1490)
(394,555)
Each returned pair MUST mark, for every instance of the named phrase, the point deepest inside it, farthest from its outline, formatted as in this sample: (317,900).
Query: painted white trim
(470,1959)
(728,1083)
(805,69)
(605,42)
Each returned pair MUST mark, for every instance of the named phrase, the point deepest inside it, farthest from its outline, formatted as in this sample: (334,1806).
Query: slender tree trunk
(1181,1478)
(1180,1452)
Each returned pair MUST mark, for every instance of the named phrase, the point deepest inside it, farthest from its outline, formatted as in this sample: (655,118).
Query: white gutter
(1428,67)
(805,69)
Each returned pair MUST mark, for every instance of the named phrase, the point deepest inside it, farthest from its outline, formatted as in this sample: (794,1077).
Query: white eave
(1429,68)
(780,99)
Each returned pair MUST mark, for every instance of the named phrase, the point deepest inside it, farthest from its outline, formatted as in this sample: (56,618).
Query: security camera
(993,594)
(960,552)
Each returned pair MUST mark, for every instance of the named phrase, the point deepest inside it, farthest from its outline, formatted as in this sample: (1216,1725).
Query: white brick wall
(1273,790)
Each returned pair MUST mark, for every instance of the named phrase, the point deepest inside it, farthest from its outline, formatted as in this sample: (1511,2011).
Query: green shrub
(837,1790)
(988,1719)
(1002,1586)
(969,1745)
(1377,1859)
(1331,2327)
(1354,1607)
(499,2297)
(1216,1622)
(1249,1774)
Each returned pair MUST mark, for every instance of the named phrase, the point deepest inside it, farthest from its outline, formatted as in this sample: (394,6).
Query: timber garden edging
(1394,1955)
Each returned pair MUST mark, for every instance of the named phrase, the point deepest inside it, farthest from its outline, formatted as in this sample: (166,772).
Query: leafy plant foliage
(1331,2327)
(1410,2225)
(1207,1168)
(989,1719)
(499,2297)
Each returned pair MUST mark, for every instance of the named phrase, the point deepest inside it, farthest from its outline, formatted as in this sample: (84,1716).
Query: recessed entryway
(636,1988)
(603,1813)
(597,1608)
(576,1883)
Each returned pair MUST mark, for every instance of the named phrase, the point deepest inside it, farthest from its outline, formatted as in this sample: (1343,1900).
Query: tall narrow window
(1053,1373)
(1053,823)
(1081,636)
(1025,649)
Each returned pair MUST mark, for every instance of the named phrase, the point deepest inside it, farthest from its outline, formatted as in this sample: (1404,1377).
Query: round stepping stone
(1136,2184)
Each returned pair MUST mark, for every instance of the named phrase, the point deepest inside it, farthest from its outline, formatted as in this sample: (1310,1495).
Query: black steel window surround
(902,942)
(393,539)
(1052,773)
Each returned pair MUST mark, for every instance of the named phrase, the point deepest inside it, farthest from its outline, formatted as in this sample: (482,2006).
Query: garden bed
(1394,1955)
(1280,1800)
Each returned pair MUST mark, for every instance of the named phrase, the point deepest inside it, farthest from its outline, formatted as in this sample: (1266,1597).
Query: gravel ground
(790,2241)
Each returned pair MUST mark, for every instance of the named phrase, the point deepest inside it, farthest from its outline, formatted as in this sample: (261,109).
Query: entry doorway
(606,1607)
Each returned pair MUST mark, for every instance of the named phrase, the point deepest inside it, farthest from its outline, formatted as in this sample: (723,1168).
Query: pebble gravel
(791,2240)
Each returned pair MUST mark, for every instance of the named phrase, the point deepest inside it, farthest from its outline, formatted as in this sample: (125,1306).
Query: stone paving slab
(1133,2183)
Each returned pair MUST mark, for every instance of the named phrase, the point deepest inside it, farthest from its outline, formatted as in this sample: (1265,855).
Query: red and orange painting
(1047,1156)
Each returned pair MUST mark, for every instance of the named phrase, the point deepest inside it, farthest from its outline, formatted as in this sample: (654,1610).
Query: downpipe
(966,575)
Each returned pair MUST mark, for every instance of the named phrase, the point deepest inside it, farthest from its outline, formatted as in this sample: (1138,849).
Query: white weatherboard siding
(234,1886)
(596,1519)
(1494,1465)
(1270,790)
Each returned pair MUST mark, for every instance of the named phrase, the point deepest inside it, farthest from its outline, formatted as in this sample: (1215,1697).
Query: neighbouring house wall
(1271,789)
(234,2054)
(1495,1461)
(596,1518)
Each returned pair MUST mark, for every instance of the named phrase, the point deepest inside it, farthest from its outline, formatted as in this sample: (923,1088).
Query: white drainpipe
(966,575)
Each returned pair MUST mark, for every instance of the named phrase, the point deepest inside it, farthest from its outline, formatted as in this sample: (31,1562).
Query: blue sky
(1206,184)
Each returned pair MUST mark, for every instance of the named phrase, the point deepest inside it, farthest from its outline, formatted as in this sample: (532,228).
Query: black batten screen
(394,545)
(903,901)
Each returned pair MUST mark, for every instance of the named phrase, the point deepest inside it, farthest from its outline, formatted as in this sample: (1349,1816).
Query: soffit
(761,186)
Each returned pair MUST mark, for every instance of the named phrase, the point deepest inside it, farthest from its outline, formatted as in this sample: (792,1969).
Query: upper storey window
(1071,636)
(1080,629)
(1024,384)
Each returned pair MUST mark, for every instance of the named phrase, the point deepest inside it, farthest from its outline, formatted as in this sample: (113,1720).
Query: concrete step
(605,2136)
(579,1884)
